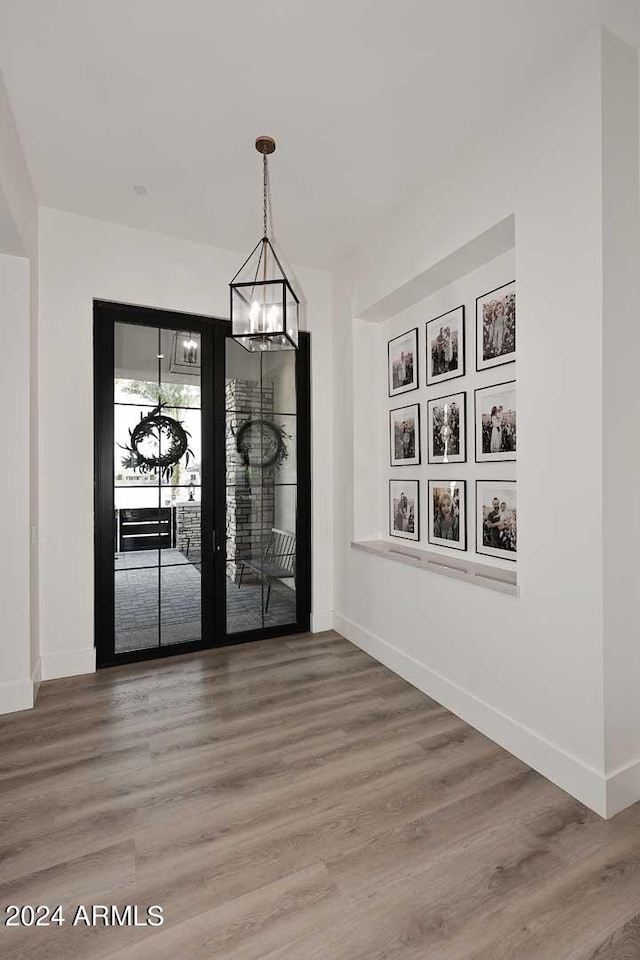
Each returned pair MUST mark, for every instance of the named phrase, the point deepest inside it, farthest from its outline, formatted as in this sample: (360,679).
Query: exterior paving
(153,601)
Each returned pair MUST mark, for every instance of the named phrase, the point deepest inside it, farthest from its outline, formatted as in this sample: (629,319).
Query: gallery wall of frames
(452,422)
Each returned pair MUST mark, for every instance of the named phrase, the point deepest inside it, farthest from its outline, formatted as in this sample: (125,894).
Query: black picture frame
(414,537)
(460,457)
(462,516)
(485,549)
(407,388)
(432,380)
(411,461)
(480,455)
(500,359)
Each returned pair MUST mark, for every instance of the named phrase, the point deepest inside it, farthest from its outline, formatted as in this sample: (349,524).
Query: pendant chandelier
(264,307)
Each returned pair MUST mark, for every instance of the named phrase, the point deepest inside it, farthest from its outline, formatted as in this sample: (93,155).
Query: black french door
(202,486)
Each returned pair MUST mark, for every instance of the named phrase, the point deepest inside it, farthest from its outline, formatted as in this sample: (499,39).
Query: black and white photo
(495,419)
(496,518)
(404,436)
(403,363)
(448,513)
(496,327)
(447,428)
(404,517)
(445,346)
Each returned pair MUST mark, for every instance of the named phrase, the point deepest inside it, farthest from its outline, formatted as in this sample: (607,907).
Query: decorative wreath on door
(157,442)
(261,443)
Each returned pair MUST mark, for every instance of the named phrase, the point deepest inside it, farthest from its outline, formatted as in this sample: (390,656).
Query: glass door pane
(157,487)
(261,489)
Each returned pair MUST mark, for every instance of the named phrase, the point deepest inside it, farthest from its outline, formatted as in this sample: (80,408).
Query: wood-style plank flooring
(294,800)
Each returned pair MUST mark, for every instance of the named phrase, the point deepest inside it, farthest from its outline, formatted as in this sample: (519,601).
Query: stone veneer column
(188,526)
(250,491)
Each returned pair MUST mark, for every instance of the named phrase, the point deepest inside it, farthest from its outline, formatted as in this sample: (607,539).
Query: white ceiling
(364,97)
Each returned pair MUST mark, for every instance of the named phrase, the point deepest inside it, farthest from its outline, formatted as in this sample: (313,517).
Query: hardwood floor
(294,800)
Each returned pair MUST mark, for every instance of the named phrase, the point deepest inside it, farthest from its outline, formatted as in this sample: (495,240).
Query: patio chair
(278,562)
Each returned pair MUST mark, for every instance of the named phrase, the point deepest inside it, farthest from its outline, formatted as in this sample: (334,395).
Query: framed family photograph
(403,363)
(496,518)
(448,513)
(404,509)
(447,429)
(496,327)
(404,436)
(445,347)
(496,422)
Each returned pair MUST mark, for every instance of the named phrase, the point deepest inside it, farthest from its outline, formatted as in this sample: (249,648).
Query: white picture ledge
(479,574)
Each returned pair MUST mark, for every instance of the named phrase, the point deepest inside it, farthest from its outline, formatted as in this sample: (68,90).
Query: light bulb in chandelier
(190,350)
(273,319)
(264,318)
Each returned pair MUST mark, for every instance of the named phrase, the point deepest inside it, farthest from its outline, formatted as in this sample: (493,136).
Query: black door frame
(214,331)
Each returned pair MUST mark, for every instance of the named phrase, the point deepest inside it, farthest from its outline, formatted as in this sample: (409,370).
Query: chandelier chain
(265,195)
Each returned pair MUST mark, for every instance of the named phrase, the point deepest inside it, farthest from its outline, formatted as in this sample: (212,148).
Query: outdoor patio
(138,582)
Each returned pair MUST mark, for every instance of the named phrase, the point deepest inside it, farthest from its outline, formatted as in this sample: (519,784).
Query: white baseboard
(69,663)
(16,696)
(321,620)
(36,679)
(583,782)
(623,788)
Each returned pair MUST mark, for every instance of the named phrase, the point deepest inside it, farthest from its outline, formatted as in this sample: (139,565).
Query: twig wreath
(157,442)
(261,443)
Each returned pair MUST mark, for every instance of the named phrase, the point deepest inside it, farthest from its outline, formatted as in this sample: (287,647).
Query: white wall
(527,671)
(16,691)
(18,483)
(19,225)
(82,259)
(621,467)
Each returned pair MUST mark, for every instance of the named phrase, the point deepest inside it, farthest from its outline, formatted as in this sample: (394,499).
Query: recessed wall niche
(453,389)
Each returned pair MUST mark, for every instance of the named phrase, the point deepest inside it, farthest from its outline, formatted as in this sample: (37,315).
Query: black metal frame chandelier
(264,307)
